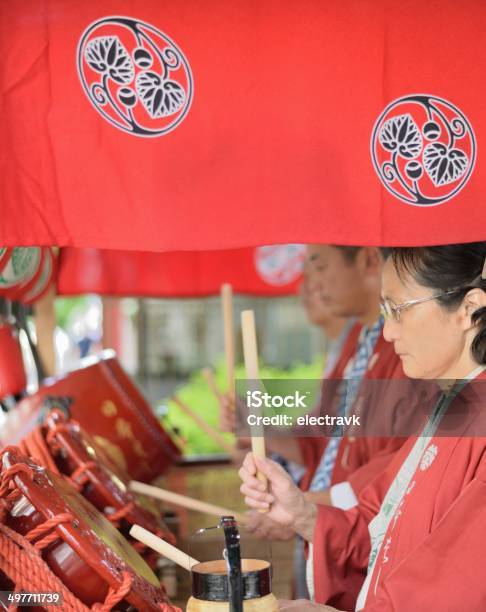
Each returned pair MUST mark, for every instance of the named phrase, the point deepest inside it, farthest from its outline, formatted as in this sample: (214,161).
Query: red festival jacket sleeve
(341,547)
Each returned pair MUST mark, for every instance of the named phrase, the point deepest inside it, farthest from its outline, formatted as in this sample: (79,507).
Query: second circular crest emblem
(423,149)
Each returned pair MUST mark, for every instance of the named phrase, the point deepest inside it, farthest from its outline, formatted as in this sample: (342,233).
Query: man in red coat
(350,283)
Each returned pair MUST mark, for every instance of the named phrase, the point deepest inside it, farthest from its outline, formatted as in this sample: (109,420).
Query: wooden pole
(229,338)
(112,323)
(45,326)
(182,500)
(250,353)
(162,547)
(212,433)
(20,315)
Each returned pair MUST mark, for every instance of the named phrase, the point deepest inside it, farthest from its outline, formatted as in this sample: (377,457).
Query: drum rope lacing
(34,445)
(80,475)
(7,486)
(29,571)
(116,595)
(116,517)
(24,566)
(45,528)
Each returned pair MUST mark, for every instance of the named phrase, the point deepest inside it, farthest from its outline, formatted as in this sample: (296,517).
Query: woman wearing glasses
(417,538)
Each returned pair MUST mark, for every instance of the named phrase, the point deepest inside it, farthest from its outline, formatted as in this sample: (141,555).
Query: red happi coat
(432,556)
(359,459)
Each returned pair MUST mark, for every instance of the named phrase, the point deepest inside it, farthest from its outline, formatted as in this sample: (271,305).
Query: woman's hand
(284,501)
(303,605)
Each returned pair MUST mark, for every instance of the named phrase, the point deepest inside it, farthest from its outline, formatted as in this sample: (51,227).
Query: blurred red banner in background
(266,271)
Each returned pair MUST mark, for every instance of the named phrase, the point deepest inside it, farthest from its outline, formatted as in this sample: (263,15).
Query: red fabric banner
(265,271)
(198,126)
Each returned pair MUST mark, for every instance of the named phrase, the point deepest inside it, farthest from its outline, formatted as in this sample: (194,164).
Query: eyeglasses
(390,310)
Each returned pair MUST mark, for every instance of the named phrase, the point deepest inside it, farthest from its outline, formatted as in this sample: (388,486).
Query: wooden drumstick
(212,433)
(251,366)
(209,378)
(183,500)
(162,547)
(229,338)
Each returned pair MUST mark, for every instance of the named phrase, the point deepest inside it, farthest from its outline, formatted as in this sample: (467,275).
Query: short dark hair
(443,268)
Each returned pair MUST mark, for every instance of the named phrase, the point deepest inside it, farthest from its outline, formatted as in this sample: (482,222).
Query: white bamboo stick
(183,500)
(162,547)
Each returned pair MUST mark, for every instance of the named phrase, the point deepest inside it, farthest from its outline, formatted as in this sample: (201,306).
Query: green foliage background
(197,395)
(67,306)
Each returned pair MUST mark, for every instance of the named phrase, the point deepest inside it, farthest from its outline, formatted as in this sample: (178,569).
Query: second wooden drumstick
(162,547)
(208,375)
(215,435)
(182,500)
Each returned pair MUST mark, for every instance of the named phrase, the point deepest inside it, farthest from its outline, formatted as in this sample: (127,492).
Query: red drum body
(76,545)
(76,455)
(109,407)
(12,373)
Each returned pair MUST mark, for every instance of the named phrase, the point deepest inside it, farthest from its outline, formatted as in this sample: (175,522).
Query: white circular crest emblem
(134,75)
(280,264)
(423,149)
(428,457)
